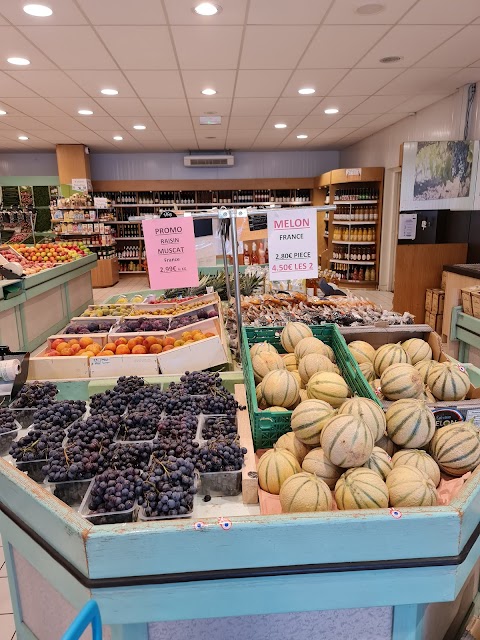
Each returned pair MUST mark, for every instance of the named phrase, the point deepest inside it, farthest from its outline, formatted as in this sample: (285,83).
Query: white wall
(443,120)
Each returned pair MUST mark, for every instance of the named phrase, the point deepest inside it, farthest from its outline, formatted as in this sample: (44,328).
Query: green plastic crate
(268,426)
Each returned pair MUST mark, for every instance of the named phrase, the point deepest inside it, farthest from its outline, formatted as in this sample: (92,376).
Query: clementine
(155,348)
(85,341)
(122,350)
(139,349)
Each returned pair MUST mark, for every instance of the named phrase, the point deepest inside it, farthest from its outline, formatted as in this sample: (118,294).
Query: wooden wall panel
(72,162)
(202,185)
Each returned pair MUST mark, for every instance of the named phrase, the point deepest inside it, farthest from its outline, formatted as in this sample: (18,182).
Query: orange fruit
(186,335)
(106,352)
(56,342)
(169,341)
(61,345)
(149,340)
(209,334)
(66,352)
(121,341)
(198,336)
(110,346)
(131,343)
(189,342)
(84,342)
(82,352)
(168,347)
(139,340)
(139,349)
(72,342)
(94,348)
(75,348)
(155,348)
(178,343)
(122,350)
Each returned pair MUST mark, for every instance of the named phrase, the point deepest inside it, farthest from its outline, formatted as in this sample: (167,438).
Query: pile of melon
(407,370)
(306,371)
(363,458)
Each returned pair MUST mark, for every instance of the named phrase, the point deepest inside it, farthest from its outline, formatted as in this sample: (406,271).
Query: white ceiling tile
(64,12)
(178,136)
(290,121)
(459,79)
(361,81)
(414,104)
(252,106)
(156,84)
(210,129)
(222,81)
(122,106)
(248,135)
(343,12)
(254,83)
(352,120)
(98,123)
(278,47)
(378,104)
(56,137)
(48,83)
(148,47)
(70,106)
(341,46)
(320,121)
(343,103)
(207,47)
(384,121)
(460,51)
(148,12)
(210,106)
(32,107)
(174,123)
(71,47)
(108,136)
(299,106)
(180,13)
(148,134)
(323,80)
(166,106)
(239,124)
(94,81)
(415,81)
(129,121)
(411,42)
(64,123)
(14,44)
(10,88)
(287,12)
(89,137)
(442,12)
(23,122)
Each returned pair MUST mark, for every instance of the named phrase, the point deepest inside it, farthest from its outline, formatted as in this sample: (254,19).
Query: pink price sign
(171,257)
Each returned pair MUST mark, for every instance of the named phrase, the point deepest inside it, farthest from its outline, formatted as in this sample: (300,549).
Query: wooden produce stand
(158,572)
(458,277)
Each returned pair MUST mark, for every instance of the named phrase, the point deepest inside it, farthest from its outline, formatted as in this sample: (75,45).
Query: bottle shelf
(350,222)
(355,202)
(212,204)
(130,259)
(354,242)
(122,273)
(131,238)
(360,262)
(359,281)
(125,222)
(99,246)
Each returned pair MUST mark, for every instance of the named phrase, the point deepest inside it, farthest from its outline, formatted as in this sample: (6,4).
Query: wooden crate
(129,365)
(105,273)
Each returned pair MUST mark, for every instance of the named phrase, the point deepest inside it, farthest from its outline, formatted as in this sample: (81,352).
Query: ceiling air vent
(208,161)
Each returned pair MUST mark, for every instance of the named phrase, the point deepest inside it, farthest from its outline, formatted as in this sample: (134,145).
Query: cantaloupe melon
(264,362)
(380,462)
(303,395)
(387,445)
(290,442)
(368,371)
(329,387)
(262,403)
(400,381)
(313,363)
(425,367)
(410,487)
(274,467)
(297,377)
(420,460)
(417,349)
(367,410)
(330,353)
(456,448)
(449,382)
(292,333)
(308,420)
(362,351)
(317,462)
(277,409)
(428,396)
(261,347)
(410,423)
(280,388)
(290,361)
(387,355)
(347,441)
(361,489)
(308,346)
(305,492)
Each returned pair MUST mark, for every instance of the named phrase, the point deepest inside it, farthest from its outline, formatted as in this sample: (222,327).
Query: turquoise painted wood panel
(129,632)
(61,270)
(408,622)
(468,505)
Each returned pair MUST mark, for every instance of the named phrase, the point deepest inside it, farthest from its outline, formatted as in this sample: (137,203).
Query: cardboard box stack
(434,301)
(471,301)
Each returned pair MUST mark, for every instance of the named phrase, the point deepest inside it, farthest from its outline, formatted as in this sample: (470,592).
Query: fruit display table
(47,301)
(349,574)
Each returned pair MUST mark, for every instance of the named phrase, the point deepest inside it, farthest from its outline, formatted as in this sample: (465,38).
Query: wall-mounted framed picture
(439,174)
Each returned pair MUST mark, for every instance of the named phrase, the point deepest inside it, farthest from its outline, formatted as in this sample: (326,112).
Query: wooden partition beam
(73,162)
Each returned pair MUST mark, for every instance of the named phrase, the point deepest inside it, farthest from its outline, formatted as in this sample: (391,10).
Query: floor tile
(2,557)
(3,570)
(7,627)
(5,602)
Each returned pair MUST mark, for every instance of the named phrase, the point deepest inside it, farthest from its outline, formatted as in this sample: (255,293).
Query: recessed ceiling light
(330,112)
(207,9)
(38,10)
(2,112)
(307,91)
(22,137)
(85,112)
(109,92)
(370,9)
(209,92)
(22,62)
(139,127)
(280,125)
(302,136)
(390,59)
(117,138)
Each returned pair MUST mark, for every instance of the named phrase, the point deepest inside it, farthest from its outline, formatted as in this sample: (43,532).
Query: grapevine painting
(443,170)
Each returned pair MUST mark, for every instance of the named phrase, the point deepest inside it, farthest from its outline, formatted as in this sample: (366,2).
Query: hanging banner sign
(170,249)
(292,244)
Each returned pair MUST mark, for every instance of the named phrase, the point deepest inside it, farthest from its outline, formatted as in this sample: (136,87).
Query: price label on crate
(170,249)
(292,244)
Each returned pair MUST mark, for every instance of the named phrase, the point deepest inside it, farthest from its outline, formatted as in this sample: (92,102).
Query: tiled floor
(7,625)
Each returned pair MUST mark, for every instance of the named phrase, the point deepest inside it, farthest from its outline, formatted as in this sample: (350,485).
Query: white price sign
(292,244)
(81,184)
(101,203)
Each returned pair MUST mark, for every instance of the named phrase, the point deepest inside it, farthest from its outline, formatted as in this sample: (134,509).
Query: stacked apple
(151,344)
(29,267)
(75,347)
(49,252)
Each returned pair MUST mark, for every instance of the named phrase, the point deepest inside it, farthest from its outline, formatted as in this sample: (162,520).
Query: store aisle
(7,624)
